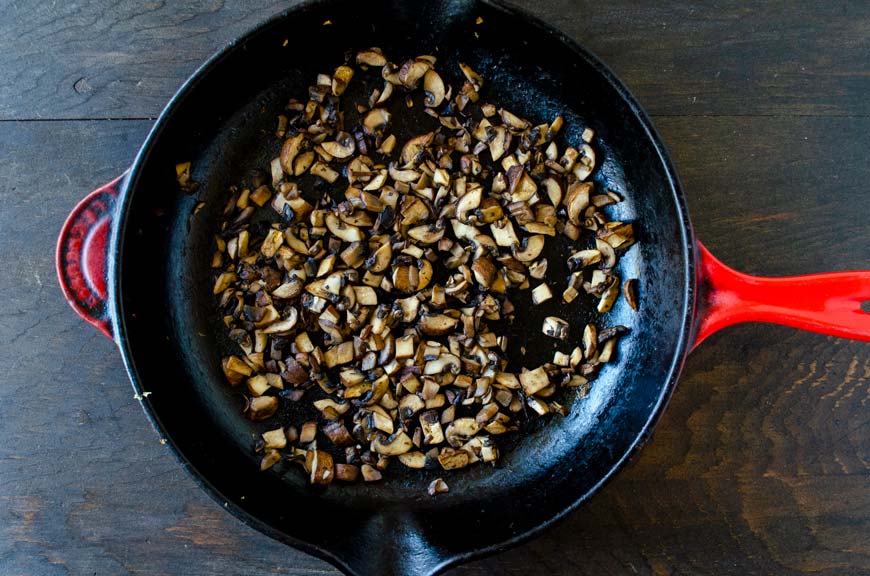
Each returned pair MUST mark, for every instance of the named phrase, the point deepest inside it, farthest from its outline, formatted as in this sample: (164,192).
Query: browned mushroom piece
(555,327)
(261,407)
(319,464)
(437,324)
(370,473)
(438,486)
(371,57)
(434,88)
(346,472)
(343,146)
(375,121)
(398,443)
(630,291)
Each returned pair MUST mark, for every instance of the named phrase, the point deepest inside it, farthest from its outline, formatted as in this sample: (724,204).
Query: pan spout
(391,543)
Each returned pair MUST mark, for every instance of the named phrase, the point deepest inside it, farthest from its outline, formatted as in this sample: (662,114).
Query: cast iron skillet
(133,261)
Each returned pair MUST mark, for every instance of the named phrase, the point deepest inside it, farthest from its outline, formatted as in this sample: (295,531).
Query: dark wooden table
(761,464)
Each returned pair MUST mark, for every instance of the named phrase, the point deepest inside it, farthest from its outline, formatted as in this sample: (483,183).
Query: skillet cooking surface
(223,121)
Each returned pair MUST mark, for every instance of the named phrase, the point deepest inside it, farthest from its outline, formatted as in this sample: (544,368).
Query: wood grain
(761,462)
(101,59)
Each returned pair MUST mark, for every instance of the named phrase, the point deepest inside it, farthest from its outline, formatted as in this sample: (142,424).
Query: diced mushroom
(275,438)
(261,407)
(533,381)
(577,200)
(590,340)
(371,57)
(339,354)
(529,249)
(346,472)
(608,298)
(291,148)
(430,423)
(398,443)
(541,293)
(416,460)
(342,230)
(427,233)
(320,466)
(555,327)
(270,458)
(375,121)
(437,324)
(434,87)
(460,430)
(484,271)
(323,170)
(343,147)
(630,290)
(370,473)
(451,459)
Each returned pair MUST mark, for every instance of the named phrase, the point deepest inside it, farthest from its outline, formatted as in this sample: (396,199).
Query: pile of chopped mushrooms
(374,304)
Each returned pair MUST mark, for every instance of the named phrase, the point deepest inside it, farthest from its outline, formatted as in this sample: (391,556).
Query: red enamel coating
(82,252)
(825,303)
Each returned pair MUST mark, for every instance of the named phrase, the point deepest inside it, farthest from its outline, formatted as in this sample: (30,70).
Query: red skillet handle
(825,303)
(82,252)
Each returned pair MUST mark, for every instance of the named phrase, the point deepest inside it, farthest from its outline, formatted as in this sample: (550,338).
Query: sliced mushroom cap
(472,76)
(430,423)
(445,363)
(503,233)
(451,459)
(468,202)
(398,443)
(346,232)
(460,430)
(343,147)
(375,121)
(414,148)
(380,258)
(409,405)
(499,143)
(371,57)
(412,277)
(261,407)
(577,200)
(284,325)
(427,233)
(437,324)
(608,254)
(412,71)
(412,210)
(521,186)
(434,88)
(530,248)
(291,148)
(583,258)
(590,340)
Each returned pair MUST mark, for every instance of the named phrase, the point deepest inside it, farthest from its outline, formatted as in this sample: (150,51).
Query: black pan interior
(223,122)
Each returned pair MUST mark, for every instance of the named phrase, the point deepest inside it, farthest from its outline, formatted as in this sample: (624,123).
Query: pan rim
(687,241)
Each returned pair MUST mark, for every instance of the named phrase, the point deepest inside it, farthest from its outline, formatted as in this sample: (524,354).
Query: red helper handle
(825,303)
(82,254)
